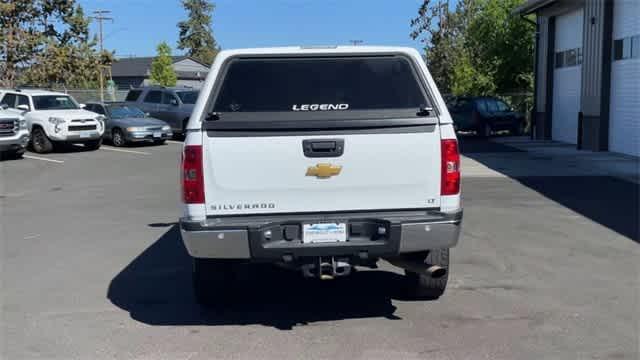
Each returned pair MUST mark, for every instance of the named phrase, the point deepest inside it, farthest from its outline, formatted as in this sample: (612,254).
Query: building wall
(541,71)
(190,65)
(567,76)
(196,84)
(596,54)
(624,132)
(545,52)
(596,70)
(592,57)
(127,82)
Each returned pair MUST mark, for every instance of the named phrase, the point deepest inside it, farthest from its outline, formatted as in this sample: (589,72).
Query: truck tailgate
(272,174)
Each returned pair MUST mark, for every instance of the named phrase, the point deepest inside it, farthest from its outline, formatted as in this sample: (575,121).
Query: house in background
(135,71)
(587,77)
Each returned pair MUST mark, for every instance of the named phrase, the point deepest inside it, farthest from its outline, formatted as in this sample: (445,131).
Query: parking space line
(175,142)
(42,159)
(123,150)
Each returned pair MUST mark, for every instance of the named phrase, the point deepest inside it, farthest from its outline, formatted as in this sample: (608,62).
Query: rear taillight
(192,178)
(450,167)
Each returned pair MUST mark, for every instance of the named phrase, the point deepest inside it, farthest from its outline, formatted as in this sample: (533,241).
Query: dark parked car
(485,115)
(127,124)
(173,105)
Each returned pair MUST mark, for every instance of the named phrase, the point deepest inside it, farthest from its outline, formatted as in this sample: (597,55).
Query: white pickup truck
(14,135)
(54,118)
(318,160)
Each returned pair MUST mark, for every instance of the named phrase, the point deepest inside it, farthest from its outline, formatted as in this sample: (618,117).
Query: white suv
(54,117)
(319,160)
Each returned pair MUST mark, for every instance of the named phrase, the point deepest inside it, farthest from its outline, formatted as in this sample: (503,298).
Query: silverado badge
(324,171)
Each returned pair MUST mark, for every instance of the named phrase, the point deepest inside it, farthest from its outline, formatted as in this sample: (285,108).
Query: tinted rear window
(188,97)
(154,97)
(362,83)
(133,95)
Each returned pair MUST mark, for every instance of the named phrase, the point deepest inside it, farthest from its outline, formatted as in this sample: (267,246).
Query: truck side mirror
(23,107)
(4,106)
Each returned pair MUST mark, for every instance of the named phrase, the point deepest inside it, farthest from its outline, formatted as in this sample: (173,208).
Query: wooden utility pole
(100,15)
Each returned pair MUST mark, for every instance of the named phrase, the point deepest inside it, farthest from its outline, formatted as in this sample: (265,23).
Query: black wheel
(117,138)
(40,143)
(183,131)
(215,282)
(93,144)
(518,129)
(425,287)
(159,142)
(485,130)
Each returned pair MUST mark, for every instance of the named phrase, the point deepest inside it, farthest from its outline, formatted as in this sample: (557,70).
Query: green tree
(441,31)
(480,48)
(47,43)
(196,34)
(20,36)
(468,79)
(162,72)
(502,45)
(68,56)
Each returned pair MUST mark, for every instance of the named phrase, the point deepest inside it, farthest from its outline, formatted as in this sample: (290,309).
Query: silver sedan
(128,124)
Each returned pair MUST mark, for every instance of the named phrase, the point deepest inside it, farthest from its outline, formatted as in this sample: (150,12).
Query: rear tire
(214,281)
(424,287)
(518,129)
(93,144)
(485,130)
(117,138)
(183,133)
(40,142)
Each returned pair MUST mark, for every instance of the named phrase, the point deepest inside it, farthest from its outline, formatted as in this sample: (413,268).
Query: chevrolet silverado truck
(14,135)
(320,160)
(55,118)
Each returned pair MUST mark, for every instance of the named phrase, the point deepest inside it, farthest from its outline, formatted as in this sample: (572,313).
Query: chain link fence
(519,101)
(92,95)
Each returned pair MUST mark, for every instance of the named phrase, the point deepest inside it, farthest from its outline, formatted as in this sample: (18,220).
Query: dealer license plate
(85,134)
(157,134)
(324,233)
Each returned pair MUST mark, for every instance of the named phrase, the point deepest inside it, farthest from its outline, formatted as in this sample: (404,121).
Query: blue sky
(141,24)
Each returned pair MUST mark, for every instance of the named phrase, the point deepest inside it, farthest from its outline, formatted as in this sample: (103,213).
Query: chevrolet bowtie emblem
(324,171)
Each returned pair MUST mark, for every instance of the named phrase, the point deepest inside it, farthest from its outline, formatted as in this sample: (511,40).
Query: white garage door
(624,116)
(567,76)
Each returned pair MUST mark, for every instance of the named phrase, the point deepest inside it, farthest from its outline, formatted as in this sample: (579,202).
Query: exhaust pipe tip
(436,271)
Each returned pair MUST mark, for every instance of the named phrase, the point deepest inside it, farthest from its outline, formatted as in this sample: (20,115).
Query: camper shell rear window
(303,88)
(295,84)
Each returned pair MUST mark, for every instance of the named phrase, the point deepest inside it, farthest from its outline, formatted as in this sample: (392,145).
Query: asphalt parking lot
(93,268)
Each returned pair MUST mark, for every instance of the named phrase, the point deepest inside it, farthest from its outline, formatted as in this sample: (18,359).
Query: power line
(100,16)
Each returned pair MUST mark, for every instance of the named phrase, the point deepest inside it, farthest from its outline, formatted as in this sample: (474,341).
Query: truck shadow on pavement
(155,288)
(606,200)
